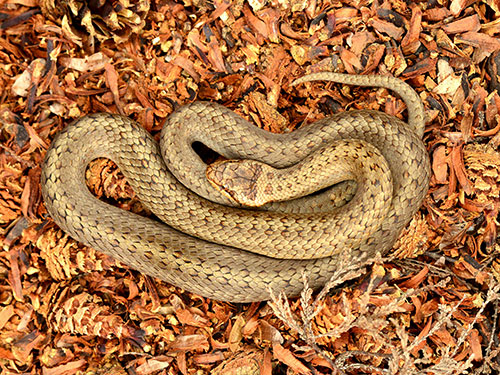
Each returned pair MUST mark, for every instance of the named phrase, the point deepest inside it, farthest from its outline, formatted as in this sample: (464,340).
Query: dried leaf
(286,356)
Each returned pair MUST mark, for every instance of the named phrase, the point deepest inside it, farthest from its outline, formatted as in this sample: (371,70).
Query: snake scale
(233,253)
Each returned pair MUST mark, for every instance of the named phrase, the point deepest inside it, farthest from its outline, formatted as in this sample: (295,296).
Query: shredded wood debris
(430,306)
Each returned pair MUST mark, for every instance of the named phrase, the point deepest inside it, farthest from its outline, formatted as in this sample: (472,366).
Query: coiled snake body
(230,253)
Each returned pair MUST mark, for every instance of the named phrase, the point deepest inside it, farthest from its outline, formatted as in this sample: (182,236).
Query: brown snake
(207,257)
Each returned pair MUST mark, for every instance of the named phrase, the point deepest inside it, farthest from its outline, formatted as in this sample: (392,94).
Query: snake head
(242,181)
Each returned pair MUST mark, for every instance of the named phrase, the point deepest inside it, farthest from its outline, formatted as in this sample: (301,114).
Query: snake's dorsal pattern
(198,246)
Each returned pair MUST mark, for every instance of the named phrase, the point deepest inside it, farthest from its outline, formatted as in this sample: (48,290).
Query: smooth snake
(231,253)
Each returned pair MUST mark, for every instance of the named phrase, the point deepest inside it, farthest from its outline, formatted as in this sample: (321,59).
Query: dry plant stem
(447,365)
(401,355)
(444,318)
(492,296)
(310,309)
(281,308)
(494,328)
(340,361)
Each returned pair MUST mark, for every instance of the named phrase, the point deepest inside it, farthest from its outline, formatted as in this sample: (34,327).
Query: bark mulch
(429,307)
